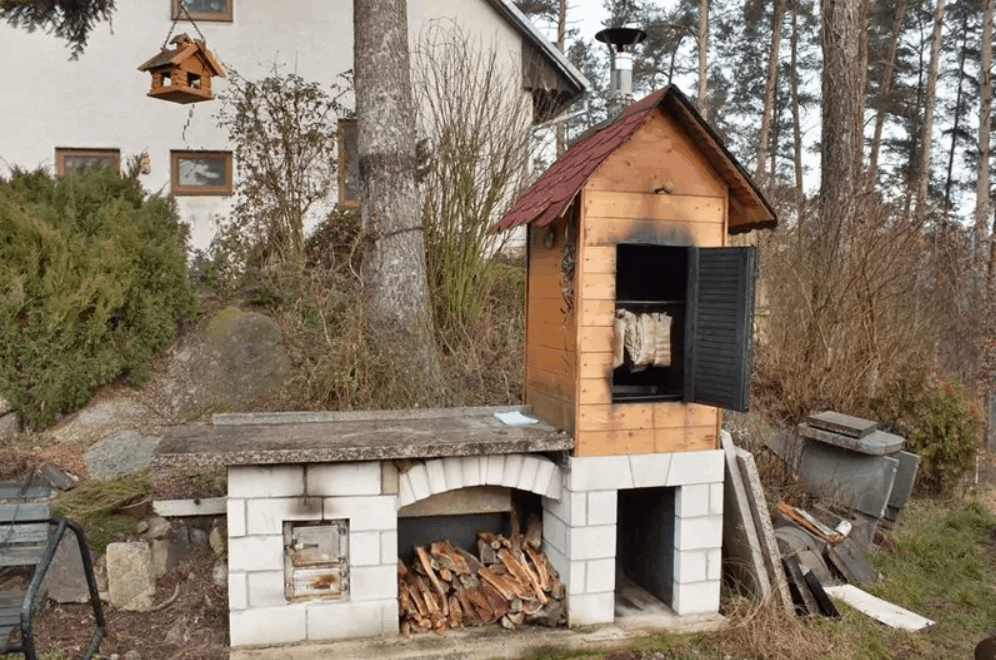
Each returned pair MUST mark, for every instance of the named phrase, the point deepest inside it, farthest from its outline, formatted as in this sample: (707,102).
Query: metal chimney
(621,41)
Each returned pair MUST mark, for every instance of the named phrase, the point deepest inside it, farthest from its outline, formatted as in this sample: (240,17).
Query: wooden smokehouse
(639,319)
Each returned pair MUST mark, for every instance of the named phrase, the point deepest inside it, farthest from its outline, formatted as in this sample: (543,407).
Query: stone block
(364,549)
(262,626)
(10,425)
(571,508)
(238,592)
(437,476)
(695,467)
(472,470)
(599,473)
(590,609)
(555,487)
(373,582)
(65,580)
(691,565)
(255,553)
(786,446)
(692,501)
(343,620)
(265,481)
(716,499)
(267,516)
(597,542)
(266,588)
(555,532)
(600,575)
(164,556)
(848,425)
(388,478)
(602,507)
(418,476)
(741,544)
(848,478)
(375,513)
(131,583)
(572,573)
(406,494)
(453,468)
(877,443)
(650,470)
(391,616)
(698,533)
(332,479)
(696,597)
(527,475)
(205,506)
(236,517)
(512,471)
(546,474)
(121,453)
(714,564)
(389,548)
(5,406)
(902,489)
(494,468)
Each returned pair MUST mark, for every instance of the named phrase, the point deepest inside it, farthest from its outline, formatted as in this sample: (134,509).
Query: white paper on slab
(878,609)
(515,418)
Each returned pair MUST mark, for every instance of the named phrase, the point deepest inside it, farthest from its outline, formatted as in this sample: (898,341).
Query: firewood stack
(509,581)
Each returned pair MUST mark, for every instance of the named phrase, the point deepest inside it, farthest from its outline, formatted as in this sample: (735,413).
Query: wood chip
(516,617)
(402,569)
(445,575)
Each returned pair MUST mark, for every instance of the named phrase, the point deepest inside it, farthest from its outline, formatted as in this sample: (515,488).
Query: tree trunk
(800,195)
(769,90)
(926,137)
(949,177)
(398,317)
(703,93)
(985,112)
(883,93)
(561,131)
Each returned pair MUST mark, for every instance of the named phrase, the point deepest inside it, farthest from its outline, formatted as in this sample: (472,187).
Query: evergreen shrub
(93,282)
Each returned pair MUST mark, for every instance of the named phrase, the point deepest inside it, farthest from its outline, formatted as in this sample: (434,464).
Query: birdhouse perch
(182,74)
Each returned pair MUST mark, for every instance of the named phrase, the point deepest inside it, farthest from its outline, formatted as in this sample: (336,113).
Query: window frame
(223,17)
(344,162)
(61,153)
(179,189)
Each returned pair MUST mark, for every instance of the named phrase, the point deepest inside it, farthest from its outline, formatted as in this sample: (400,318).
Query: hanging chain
(183,8)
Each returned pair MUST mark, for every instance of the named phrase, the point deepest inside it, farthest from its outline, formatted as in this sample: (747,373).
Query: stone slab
(877,443)
(878,609)
(799,585)
(122,453)
(10,425)
(762,521)
(365,436)
(836,422)
(65,579)
(131,582)
(743,563)
(848,558)
(787,447)
(208,506)
(848,478)
(902,489)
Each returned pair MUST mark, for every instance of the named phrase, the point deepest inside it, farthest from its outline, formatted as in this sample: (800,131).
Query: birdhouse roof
(184,49)
(549,196)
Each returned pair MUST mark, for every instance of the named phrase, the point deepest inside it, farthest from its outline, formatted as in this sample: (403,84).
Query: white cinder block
(602,507)
(389,548)
(373,582)
(406,495)
(331,479)
(453,467)
(698,533)
(342,620)
(690,565)
(364,549)
(391,617)
(556,485)
(691,501)
(472,472)
(600,473)
(494,467)
(571,508)
(268,625)
(527,476)
(696,467)
(696,598)
(546,472)
(555,533)
(716,499)
(266,589)
(268,516)
(601,575)
(589,609)
(714,564)
(513,470)
(419,476)
(437,476)
(560,564)
(388,478)
(265,481)
(236,517)
(238,596)
(650,470)
(255,553)
(374,513)
(597,542)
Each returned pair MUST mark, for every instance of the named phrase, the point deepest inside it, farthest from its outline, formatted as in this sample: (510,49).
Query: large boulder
(122,453)
(238,359)
(131,582)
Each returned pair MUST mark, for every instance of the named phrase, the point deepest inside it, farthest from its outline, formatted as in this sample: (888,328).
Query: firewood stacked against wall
(509,581)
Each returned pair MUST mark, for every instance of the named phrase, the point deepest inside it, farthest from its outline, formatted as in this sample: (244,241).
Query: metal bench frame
(27,643)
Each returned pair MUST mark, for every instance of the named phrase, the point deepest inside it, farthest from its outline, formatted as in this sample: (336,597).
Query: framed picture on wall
(204,10)
(201,172)
(76,161)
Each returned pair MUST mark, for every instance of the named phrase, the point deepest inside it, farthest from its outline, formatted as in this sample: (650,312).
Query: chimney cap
(620,37)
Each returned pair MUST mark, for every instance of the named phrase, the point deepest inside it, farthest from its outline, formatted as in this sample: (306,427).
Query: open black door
(719,327)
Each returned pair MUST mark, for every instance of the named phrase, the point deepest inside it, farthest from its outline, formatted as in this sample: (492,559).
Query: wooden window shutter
(719,326)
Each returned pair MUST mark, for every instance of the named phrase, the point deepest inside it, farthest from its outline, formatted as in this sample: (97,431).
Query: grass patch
(93,505)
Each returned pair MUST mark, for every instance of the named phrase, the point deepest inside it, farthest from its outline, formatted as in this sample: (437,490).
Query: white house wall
(100,100)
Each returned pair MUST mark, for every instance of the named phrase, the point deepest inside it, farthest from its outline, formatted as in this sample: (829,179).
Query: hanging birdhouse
(182,74)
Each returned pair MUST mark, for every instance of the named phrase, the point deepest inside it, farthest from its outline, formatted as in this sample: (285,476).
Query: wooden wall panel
(615,418)
(597,313)
(594,365)
(598,339)
(686,439)
(551,335)
(556,411)
(611,231)
(654,206)
(560,386)
(550,359)
(611,443)
(670,415)
(595,390)
(599,259)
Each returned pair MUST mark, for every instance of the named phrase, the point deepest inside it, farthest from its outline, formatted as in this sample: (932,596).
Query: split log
(404,597)
(522,573)
(456,613)
(481,604)
(416,597)
(534,531)
(497,582)
(470,581)
(506,623)
(406,629)
(498,603)
(402,569)
(539,562)
(486,552)
(444,553)
(516,617)
(558,591)
(472,562)
(431,607)
(426,563)
(445,575)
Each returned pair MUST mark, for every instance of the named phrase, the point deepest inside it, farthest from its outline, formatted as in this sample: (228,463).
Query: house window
(76,161)
(683,324)
(204,10)
(201,172)
(349,164)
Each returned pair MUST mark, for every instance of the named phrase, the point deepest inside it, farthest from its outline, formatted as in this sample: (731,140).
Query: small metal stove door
(316,560)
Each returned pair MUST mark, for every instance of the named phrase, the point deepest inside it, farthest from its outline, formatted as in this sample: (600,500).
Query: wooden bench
(29,537)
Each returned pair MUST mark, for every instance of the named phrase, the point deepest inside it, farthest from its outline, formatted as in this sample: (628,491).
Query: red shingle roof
(550,195)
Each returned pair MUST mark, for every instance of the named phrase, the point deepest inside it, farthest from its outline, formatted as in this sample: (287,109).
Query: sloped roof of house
(185,48)
(549,196)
